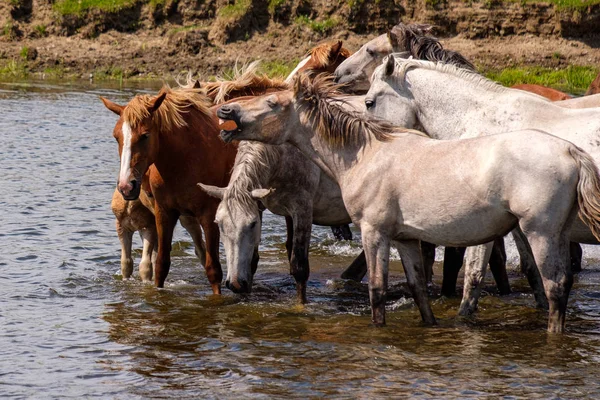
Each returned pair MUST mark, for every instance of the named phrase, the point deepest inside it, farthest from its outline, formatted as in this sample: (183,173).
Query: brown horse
(594,86)
(549,93)
(325,57)
(173,136)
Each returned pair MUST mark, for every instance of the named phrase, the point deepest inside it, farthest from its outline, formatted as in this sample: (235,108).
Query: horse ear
(114,107)
(259,194)
(335,50)
(157,101)
(213,191)
(197,85)
(390,65)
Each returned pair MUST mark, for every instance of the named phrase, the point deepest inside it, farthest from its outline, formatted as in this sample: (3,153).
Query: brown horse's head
(136,133)
(325,57)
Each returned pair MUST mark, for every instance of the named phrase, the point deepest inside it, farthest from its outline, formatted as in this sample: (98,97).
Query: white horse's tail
(588,189)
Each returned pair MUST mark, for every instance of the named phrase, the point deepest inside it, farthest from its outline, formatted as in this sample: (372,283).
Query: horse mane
(170,114)
(414,39)
(320,54)
(246,81)
(251,162)
(404,65)
(323,102)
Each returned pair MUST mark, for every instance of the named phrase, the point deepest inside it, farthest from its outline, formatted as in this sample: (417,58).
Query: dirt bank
(163,38)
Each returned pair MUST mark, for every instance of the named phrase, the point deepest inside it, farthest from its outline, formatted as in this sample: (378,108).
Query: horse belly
(474,227)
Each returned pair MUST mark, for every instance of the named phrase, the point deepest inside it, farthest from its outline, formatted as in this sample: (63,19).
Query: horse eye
(252,225)
(271,103)
(370,51)
(369,103)
(145,136)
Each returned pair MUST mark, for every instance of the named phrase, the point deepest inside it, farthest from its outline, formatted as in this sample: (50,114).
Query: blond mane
(320,54)
(253,162)
(323,102)
(404,65)
(170,114)
(246,81)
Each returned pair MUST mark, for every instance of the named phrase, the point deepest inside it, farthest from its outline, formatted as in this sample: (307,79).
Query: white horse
(402,187)
(453,103)
(281,179)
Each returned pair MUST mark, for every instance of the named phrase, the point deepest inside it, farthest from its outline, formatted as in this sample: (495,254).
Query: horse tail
(588,189)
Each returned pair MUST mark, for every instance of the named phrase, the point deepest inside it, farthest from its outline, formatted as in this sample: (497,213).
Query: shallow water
(72,328)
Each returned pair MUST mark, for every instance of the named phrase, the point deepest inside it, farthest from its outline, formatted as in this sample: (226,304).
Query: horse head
(137,136)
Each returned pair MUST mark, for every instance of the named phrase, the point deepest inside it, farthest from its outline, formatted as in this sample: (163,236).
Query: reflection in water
(72,328)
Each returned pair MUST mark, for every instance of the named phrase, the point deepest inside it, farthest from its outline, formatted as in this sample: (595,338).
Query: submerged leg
(191,225)
(126,239)
(551,256)
(428,253)
(342,232)
(576,257)
(529,268)
(165,224)
(299,265)
(377,253)
(214,273)
(410,252)
(498,267)
(357,270)
(149,240)
(477,261)
(453,262)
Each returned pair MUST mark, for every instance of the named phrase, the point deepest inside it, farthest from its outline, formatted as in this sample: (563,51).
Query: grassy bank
(574,79)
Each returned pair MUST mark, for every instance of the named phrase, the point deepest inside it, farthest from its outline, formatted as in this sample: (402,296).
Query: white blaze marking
(125,155)
(295,71)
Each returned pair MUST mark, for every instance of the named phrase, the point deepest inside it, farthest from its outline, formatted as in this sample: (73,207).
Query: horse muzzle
(229,121)
(239,286)
(131,190)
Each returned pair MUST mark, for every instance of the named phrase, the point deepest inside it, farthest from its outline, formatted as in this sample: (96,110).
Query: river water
(70,327)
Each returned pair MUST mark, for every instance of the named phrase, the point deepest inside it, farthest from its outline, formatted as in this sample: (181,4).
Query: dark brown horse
(174,136)
(324,57)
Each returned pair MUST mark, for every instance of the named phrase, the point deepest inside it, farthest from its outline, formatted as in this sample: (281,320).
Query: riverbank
(161,39)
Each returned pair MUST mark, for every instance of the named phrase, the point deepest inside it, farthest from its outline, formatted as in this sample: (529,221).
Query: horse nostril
(225,109)
(133,184)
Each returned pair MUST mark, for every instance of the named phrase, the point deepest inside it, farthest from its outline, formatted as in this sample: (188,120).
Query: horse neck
(335,162)
(183,146)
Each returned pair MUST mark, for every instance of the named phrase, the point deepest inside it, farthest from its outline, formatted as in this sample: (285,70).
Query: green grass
(40,30)
(24,52)
(235,10)
(569,4)
(278,69)
(321,27)
(574,79)
(13,69)
(79,7)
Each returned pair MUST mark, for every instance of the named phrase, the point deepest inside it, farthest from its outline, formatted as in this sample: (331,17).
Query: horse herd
(403,138)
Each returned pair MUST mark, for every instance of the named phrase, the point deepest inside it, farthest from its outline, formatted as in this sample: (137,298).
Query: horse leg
(165,224)
(149,239)
(498,267)
(411,255)
(551,257)
(126,239)
(357,270)
(530,269)
(576,257)
(255,255)
(191,225)
(342,232)
(477,261)
(428,253)
(453,262)
(377,252)
(299,266)
(289,225)
(214,273)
